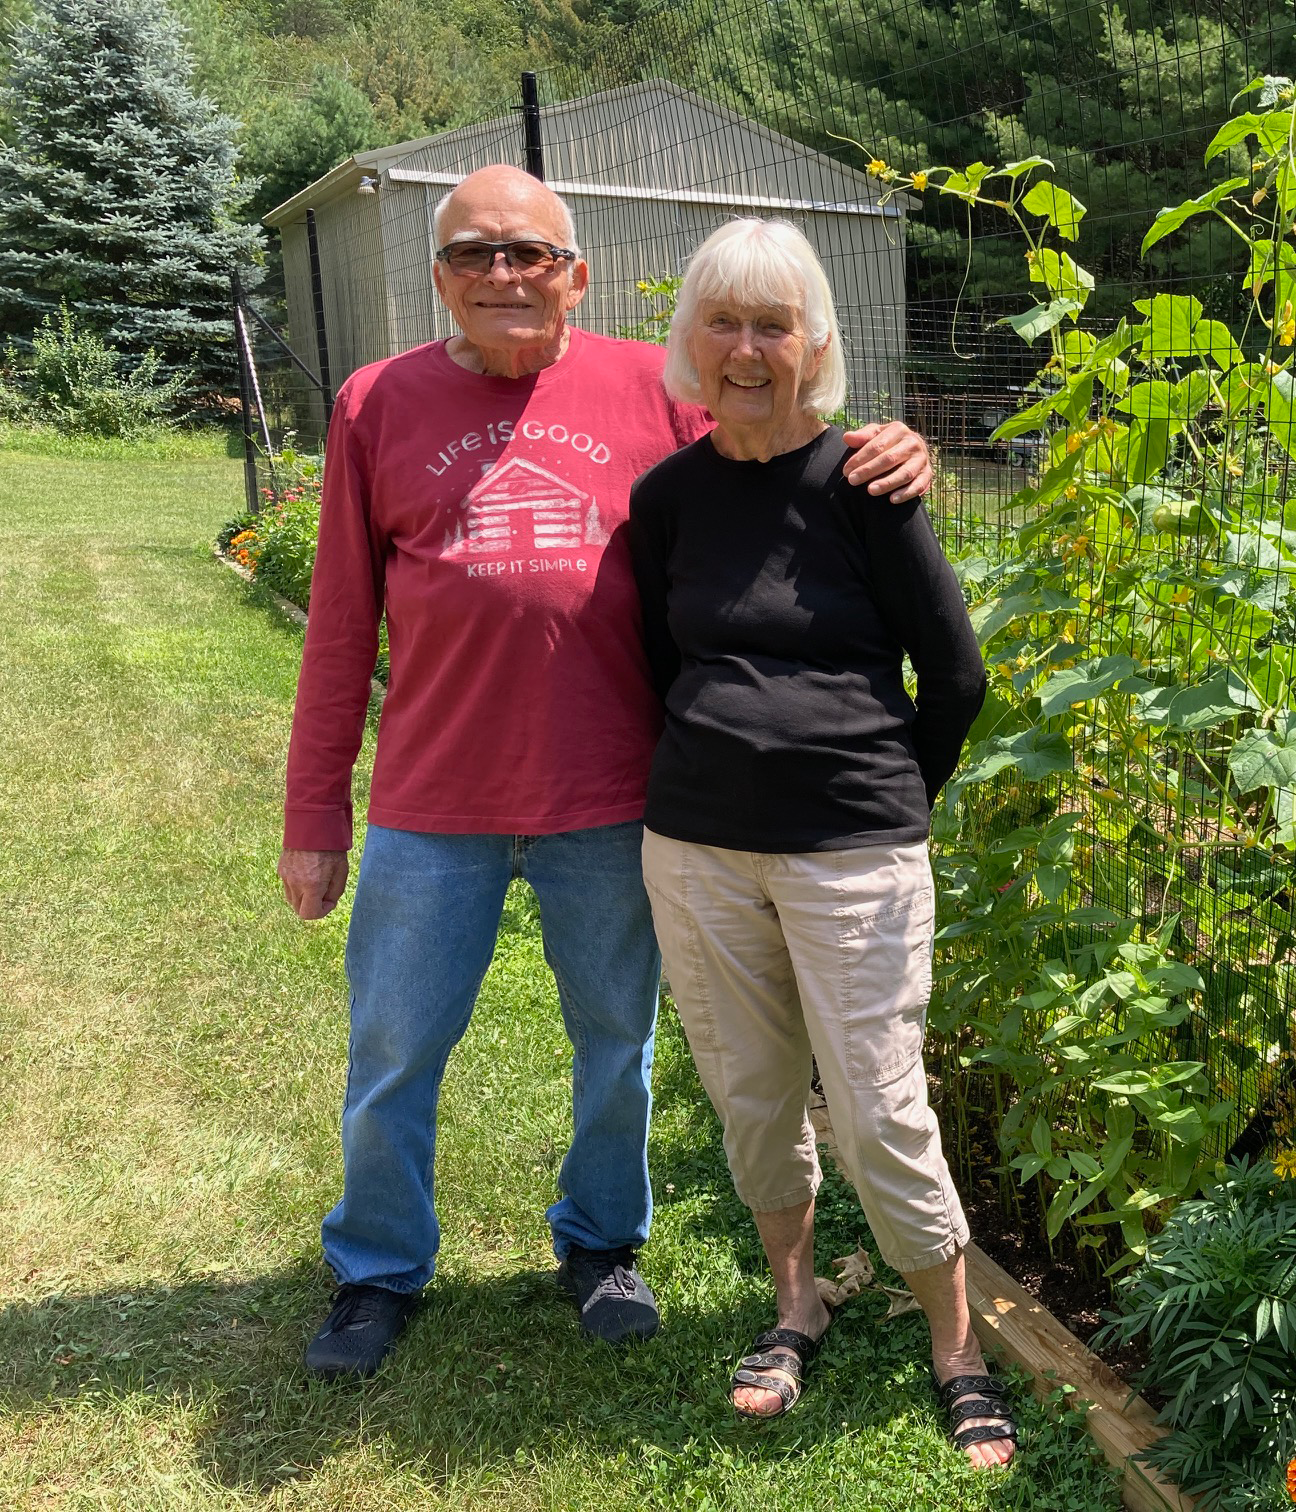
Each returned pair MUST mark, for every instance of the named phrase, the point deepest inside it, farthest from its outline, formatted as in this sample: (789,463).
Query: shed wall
(630,240)
(656,138)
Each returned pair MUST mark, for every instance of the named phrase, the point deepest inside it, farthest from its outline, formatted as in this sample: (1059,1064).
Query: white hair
(568,224)
(756,263)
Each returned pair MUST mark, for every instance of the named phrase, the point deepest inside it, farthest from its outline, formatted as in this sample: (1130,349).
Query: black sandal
(779,1373)
(989,1401)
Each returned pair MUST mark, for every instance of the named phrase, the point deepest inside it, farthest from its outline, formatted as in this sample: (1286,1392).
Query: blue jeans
(427,909)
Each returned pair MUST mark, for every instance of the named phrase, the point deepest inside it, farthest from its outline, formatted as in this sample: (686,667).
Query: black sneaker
(357,1335)
(614,1300)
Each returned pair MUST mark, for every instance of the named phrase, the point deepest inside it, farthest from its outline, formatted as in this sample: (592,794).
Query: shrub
(1215,1306)
(73,379)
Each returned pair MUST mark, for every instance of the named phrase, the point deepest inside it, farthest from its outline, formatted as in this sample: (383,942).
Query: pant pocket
(887,958)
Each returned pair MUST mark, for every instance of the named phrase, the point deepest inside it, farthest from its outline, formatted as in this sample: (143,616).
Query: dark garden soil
(1061,1282)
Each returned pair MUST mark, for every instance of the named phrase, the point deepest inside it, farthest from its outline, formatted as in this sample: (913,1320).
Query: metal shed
(648,169)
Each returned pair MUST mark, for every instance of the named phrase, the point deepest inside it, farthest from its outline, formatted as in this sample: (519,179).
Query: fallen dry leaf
(856,1274)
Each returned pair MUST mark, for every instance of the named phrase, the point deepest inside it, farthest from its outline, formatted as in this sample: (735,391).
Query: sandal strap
(974,1407)
(789,1338)
(772,1362)
(787,1391)
(963,1438)
(957,1386)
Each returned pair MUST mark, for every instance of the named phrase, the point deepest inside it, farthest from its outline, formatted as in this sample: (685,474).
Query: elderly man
(474,491)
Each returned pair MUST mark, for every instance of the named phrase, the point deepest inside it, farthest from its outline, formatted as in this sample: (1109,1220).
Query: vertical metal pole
(531,127)
(317,303)
(251,495)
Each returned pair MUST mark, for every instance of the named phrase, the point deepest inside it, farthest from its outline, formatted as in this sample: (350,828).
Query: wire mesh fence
(702,111)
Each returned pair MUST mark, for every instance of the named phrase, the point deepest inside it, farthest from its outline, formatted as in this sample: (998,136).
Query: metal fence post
(317,303)
(245,397)
(531,127)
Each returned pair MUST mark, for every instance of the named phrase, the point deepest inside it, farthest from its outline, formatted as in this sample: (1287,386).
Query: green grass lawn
(172,1054)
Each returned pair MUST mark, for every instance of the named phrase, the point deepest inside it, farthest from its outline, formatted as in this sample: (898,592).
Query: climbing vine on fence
(1115,855)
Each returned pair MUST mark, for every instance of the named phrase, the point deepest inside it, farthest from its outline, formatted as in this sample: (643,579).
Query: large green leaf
(1024,165)
(1059,209)
(1267,257)
(1076,685)
(1031,418)
(1266,758)
(966,184)
(1220,698)
(1035,753)
(1213,339)
(1040,319)
(1173,216)
(1063,277)
(1170,320)
(1231,133)
(1280,409)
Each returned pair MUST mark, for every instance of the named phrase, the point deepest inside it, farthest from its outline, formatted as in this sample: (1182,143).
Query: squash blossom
(919,181)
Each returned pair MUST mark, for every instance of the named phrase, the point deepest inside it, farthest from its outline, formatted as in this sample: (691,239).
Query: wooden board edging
(1012,1325)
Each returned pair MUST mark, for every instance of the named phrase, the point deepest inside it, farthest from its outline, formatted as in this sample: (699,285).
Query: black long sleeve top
(778,603)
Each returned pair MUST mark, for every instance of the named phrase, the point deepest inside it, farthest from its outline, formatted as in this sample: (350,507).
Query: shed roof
(653,172)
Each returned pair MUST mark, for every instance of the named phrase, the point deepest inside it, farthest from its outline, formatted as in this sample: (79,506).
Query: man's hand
(313,880)
(891,459)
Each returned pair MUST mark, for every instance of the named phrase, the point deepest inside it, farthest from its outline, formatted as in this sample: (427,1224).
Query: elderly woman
(788,807)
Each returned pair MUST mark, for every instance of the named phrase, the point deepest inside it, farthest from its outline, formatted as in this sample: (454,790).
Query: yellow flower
(920,181)
(1030,257)
(1070,492)
(1232,466)
(877,167)
(1074,442)
(1259,196)
(1181,595)
(1285,1166)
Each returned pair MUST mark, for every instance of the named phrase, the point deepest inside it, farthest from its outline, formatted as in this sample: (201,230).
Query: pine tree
(118,194)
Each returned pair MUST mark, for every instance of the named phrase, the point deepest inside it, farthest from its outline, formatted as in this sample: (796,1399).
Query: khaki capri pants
(774,956)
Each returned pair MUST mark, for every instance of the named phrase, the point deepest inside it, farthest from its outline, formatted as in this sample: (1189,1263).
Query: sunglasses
(476,257)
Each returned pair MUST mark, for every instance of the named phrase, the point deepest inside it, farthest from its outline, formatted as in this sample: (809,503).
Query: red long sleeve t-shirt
(481,515)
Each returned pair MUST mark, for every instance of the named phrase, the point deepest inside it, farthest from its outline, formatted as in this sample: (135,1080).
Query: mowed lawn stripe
(173,1049)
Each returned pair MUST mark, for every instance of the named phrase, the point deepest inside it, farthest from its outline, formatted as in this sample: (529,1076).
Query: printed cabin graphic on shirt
(519,506)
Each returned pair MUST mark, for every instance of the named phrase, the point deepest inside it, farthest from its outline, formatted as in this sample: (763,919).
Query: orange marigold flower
(1291,1479)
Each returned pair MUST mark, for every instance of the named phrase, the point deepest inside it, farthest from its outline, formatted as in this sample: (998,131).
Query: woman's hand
(890,459)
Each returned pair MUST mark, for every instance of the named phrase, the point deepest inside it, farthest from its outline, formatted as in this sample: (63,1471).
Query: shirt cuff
(317,829)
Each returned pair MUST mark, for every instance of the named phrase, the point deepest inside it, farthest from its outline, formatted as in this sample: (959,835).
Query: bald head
(479,199)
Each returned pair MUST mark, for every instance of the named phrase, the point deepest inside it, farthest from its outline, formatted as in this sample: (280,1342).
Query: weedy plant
(1114,858)
(70,377)
(1214,1306)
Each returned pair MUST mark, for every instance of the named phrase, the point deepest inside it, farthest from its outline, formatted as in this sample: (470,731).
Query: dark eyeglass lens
(530,254)
(479,257)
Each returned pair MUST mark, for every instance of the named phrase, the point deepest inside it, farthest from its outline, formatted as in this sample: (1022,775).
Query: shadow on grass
(491,1373)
